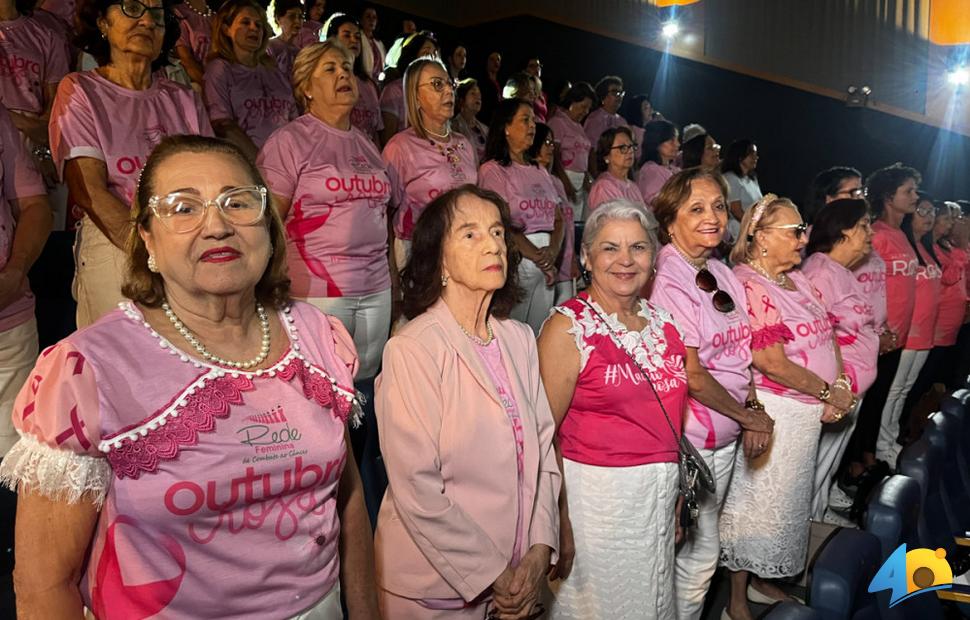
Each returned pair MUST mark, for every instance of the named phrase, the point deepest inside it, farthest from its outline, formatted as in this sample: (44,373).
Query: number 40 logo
(909,574)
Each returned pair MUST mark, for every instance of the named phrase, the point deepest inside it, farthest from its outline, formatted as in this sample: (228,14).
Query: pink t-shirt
(614,419)
(574,144)
(855,322)
(392,102)
(607,188)
(529,191)
(425,169)
(953,296)
(32,57)
(85,123)
(259,99)
(722,339)
(871,274)
(19,178)
(284,54)
(309,33)
(651,179)
(796,319)
(220,488)
(565,273)
(598,121)
(923,327)
(900,259)
(339,189)
(366,115)
(196,31)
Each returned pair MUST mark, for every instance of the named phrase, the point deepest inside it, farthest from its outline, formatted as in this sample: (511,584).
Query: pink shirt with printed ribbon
(195,31)
(574,144)
(339,190)
(900,259)
(871,276)
(614,419)
(284,54)
(259,99)
(425,169)
(928,283)
(85,123)
(221,487)
(856,328)
(392,102)
(953,296)
(598,121)
(529,191)
(32,57)
(722,339)
(568,252)
(795,319)
(366,115)
(607,188)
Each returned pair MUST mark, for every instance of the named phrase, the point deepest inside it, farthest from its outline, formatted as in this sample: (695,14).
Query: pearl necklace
(693,262)
(193,340)
(781,279)
(207,14)
(440,136)
(482,343)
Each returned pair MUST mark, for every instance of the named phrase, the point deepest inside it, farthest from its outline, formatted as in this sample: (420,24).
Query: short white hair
(621,209)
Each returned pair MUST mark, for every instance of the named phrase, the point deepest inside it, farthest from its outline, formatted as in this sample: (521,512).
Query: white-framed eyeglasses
(799,229)
(184,212)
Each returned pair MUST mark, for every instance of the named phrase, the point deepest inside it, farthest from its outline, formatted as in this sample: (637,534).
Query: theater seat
(957,407)
(791,611)
(943,430)
(923,462)
(840,576)
(892,515)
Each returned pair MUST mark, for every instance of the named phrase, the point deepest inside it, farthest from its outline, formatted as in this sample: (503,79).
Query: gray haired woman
(613,369)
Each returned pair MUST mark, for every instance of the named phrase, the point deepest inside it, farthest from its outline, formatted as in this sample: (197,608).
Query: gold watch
(825,393)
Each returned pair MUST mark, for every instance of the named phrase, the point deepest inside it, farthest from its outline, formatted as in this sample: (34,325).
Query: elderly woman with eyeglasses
(840,242)
(469,523)
(798,371)
(613,368)
(707,301)
(100,163)
(616,152)
(199,431)
(428,158)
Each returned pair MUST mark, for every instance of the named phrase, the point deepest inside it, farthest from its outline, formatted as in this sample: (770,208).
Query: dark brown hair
(147,288)
(675,192)
(605,145)
(421,278)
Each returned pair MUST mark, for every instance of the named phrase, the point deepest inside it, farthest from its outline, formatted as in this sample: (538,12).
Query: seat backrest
(892,515)
(923,461)
(791,611)
(840,576)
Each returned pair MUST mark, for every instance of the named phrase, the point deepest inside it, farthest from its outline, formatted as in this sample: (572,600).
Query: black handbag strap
(619,343)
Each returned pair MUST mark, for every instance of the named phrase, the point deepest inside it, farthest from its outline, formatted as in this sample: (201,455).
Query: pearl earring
(444,280)
(152,265)
(764,252)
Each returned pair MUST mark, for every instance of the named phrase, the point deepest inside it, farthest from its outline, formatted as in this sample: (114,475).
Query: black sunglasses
(706,281)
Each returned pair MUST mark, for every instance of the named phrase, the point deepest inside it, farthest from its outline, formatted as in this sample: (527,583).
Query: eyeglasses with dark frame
(135,9)
(626,148)
(184,212)
(853,192)
(723,302)
(925,211)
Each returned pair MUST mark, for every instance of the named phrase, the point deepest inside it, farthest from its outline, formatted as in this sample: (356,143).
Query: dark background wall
(798,133)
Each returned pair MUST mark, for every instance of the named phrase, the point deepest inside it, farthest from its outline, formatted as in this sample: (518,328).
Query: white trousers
(697,555)
(537,298)
(623,527)
(368,319)
(831,446)
(327,609)
(579,205)
(18,353)
(910,363)
(100,269)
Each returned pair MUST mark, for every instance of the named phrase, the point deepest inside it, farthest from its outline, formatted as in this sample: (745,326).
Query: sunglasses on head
(706,281)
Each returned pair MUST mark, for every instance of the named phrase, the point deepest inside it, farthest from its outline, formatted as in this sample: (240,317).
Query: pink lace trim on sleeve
(769,335)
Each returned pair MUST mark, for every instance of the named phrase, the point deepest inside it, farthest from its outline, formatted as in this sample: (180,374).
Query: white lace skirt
(623,525)
(765,519)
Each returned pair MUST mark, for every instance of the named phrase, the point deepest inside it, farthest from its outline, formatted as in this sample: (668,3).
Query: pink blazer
(446,527)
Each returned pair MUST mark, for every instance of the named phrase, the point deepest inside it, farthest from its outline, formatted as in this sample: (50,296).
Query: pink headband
(759,211)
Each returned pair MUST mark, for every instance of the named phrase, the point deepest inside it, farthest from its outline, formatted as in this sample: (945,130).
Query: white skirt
(623,524)
(765,519)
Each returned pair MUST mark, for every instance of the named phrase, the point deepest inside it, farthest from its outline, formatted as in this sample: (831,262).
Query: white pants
(18,353)
(537,298)
(623,527)
(910,363)
(563,291)
(831,446)
(368,319)
(100,269)
(327,609)
(697,556)
(576,179)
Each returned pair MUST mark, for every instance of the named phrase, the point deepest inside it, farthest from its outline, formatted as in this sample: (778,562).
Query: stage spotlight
(866,91)
(959,76)
(670,29)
